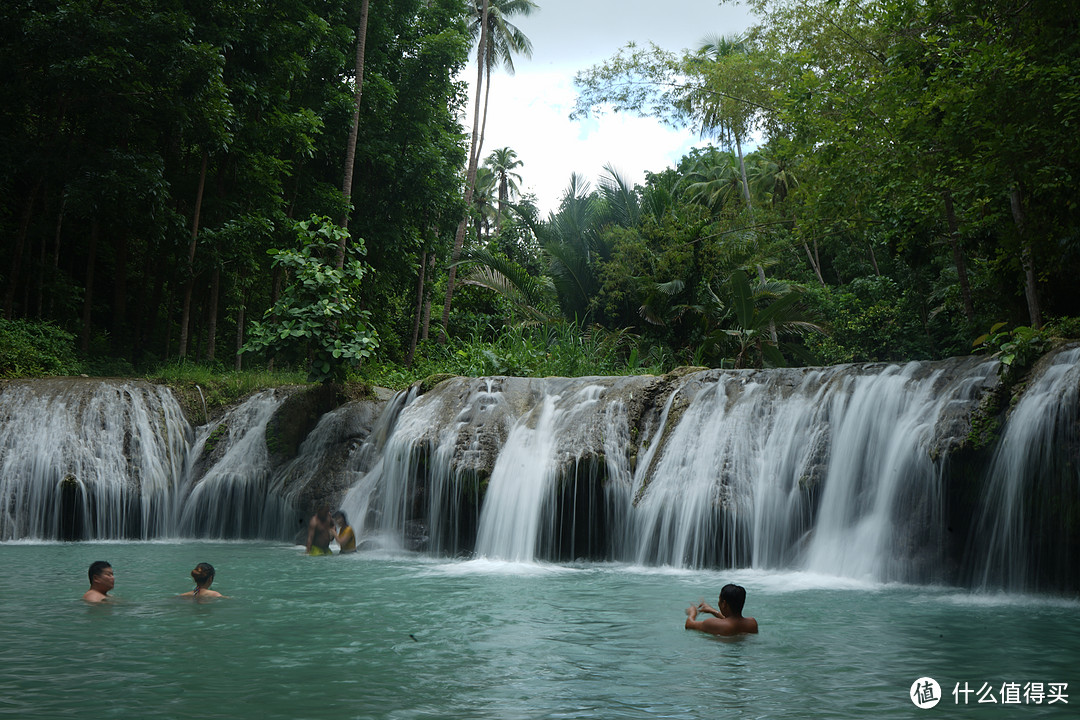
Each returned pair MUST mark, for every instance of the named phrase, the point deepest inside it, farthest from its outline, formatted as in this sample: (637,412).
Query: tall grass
(565,350)
(205,388)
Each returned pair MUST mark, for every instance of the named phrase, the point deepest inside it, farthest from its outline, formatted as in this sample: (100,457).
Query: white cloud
(530,114)
(530,111)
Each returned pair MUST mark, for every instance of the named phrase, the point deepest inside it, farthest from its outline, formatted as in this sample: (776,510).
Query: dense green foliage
(319,314)
(153,152)
(886,181)
(917,163)
(30,349)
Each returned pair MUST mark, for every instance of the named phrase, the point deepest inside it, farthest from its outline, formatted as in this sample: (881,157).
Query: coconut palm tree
(483,201)
(502,163)
(754,325)
(713,182)
(498,42)
(504,41)
(720,101)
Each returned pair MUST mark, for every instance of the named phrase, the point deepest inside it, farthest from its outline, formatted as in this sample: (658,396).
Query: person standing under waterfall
(345,536)
(101,582)
(320,532)
(728,618)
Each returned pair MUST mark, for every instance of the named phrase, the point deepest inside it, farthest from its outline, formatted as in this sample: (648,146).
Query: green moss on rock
(428,384)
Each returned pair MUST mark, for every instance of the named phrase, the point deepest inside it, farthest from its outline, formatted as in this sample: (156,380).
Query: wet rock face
(297,417)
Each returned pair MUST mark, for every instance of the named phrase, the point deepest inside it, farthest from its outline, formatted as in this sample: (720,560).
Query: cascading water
(520,495)
(866,471)
(228,500)
(89,459)
(1029,519)
(818,470)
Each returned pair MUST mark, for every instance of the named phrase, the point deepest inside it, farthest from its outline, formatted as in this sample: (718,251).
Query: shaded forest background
(884,181)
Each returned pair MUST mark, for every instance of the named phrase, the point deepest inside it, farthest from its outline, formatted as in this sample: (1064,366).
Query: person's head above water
(339,517)
(98,567)
(734,596)
(203,574)
(101,581)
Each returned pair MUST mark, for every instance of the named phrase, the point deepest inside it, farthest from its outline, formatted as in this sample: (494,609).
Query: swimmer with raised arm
(203,575)
(728,618)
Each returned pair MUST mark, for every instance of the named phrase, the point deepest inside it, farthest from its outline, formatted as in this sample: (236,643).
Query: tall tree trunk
(16,255)
(276,279)
(1031,291)
(189,286)
(813,263)
(168,322)
(470,175)
(425,332)
(56,248)
(742,174)
(212,313)
(958,256)
(240,331)
(44,260)
(88,298)
(354,129)
(119,309)
(419,309)
(142,304)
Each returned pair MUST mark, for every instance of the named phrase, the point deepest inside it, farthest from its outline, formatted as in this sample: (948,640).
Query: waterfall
(89,459)
(228,499)
(886,472)
(821,470)
(1029,519)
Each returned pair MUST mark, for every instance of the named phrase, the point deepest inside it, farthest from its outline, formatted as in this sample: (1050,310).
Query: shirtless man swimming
(728,618)
(320,531)
(101,582)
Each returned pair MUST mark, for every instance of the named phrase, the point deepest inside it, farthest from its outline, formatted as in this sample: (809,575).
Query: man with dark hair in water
(728,618)
(320,531)
(101,582)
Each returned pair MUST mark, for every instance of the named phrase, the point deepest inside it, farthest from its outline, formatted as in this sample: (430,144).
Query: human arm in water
(719,625)
(704,607)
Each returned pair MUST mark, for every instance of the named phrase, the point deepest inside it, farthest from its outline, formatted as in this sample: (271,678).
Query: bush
(31,348)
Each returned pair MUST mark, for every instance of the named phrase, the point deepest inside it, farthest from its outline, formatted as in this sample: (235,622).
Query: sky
(529,111)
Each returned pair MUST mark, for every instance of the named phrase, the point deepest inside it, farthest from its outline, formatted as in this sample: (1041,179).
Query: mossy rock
(297,417)
(428,384)
(215,437)
(683,371)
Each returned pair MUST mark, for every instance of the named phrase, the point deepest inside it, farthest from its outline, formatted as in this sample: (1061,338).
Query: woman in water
(203,574)
(345,536)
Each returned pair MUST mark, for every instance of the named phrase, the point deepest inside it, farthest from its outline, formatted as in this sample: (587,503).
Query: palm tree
(621,199)
(720,101)
(504,41)
(759,324)
(498,42)
(502,163)
(482,199)
(713,182)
